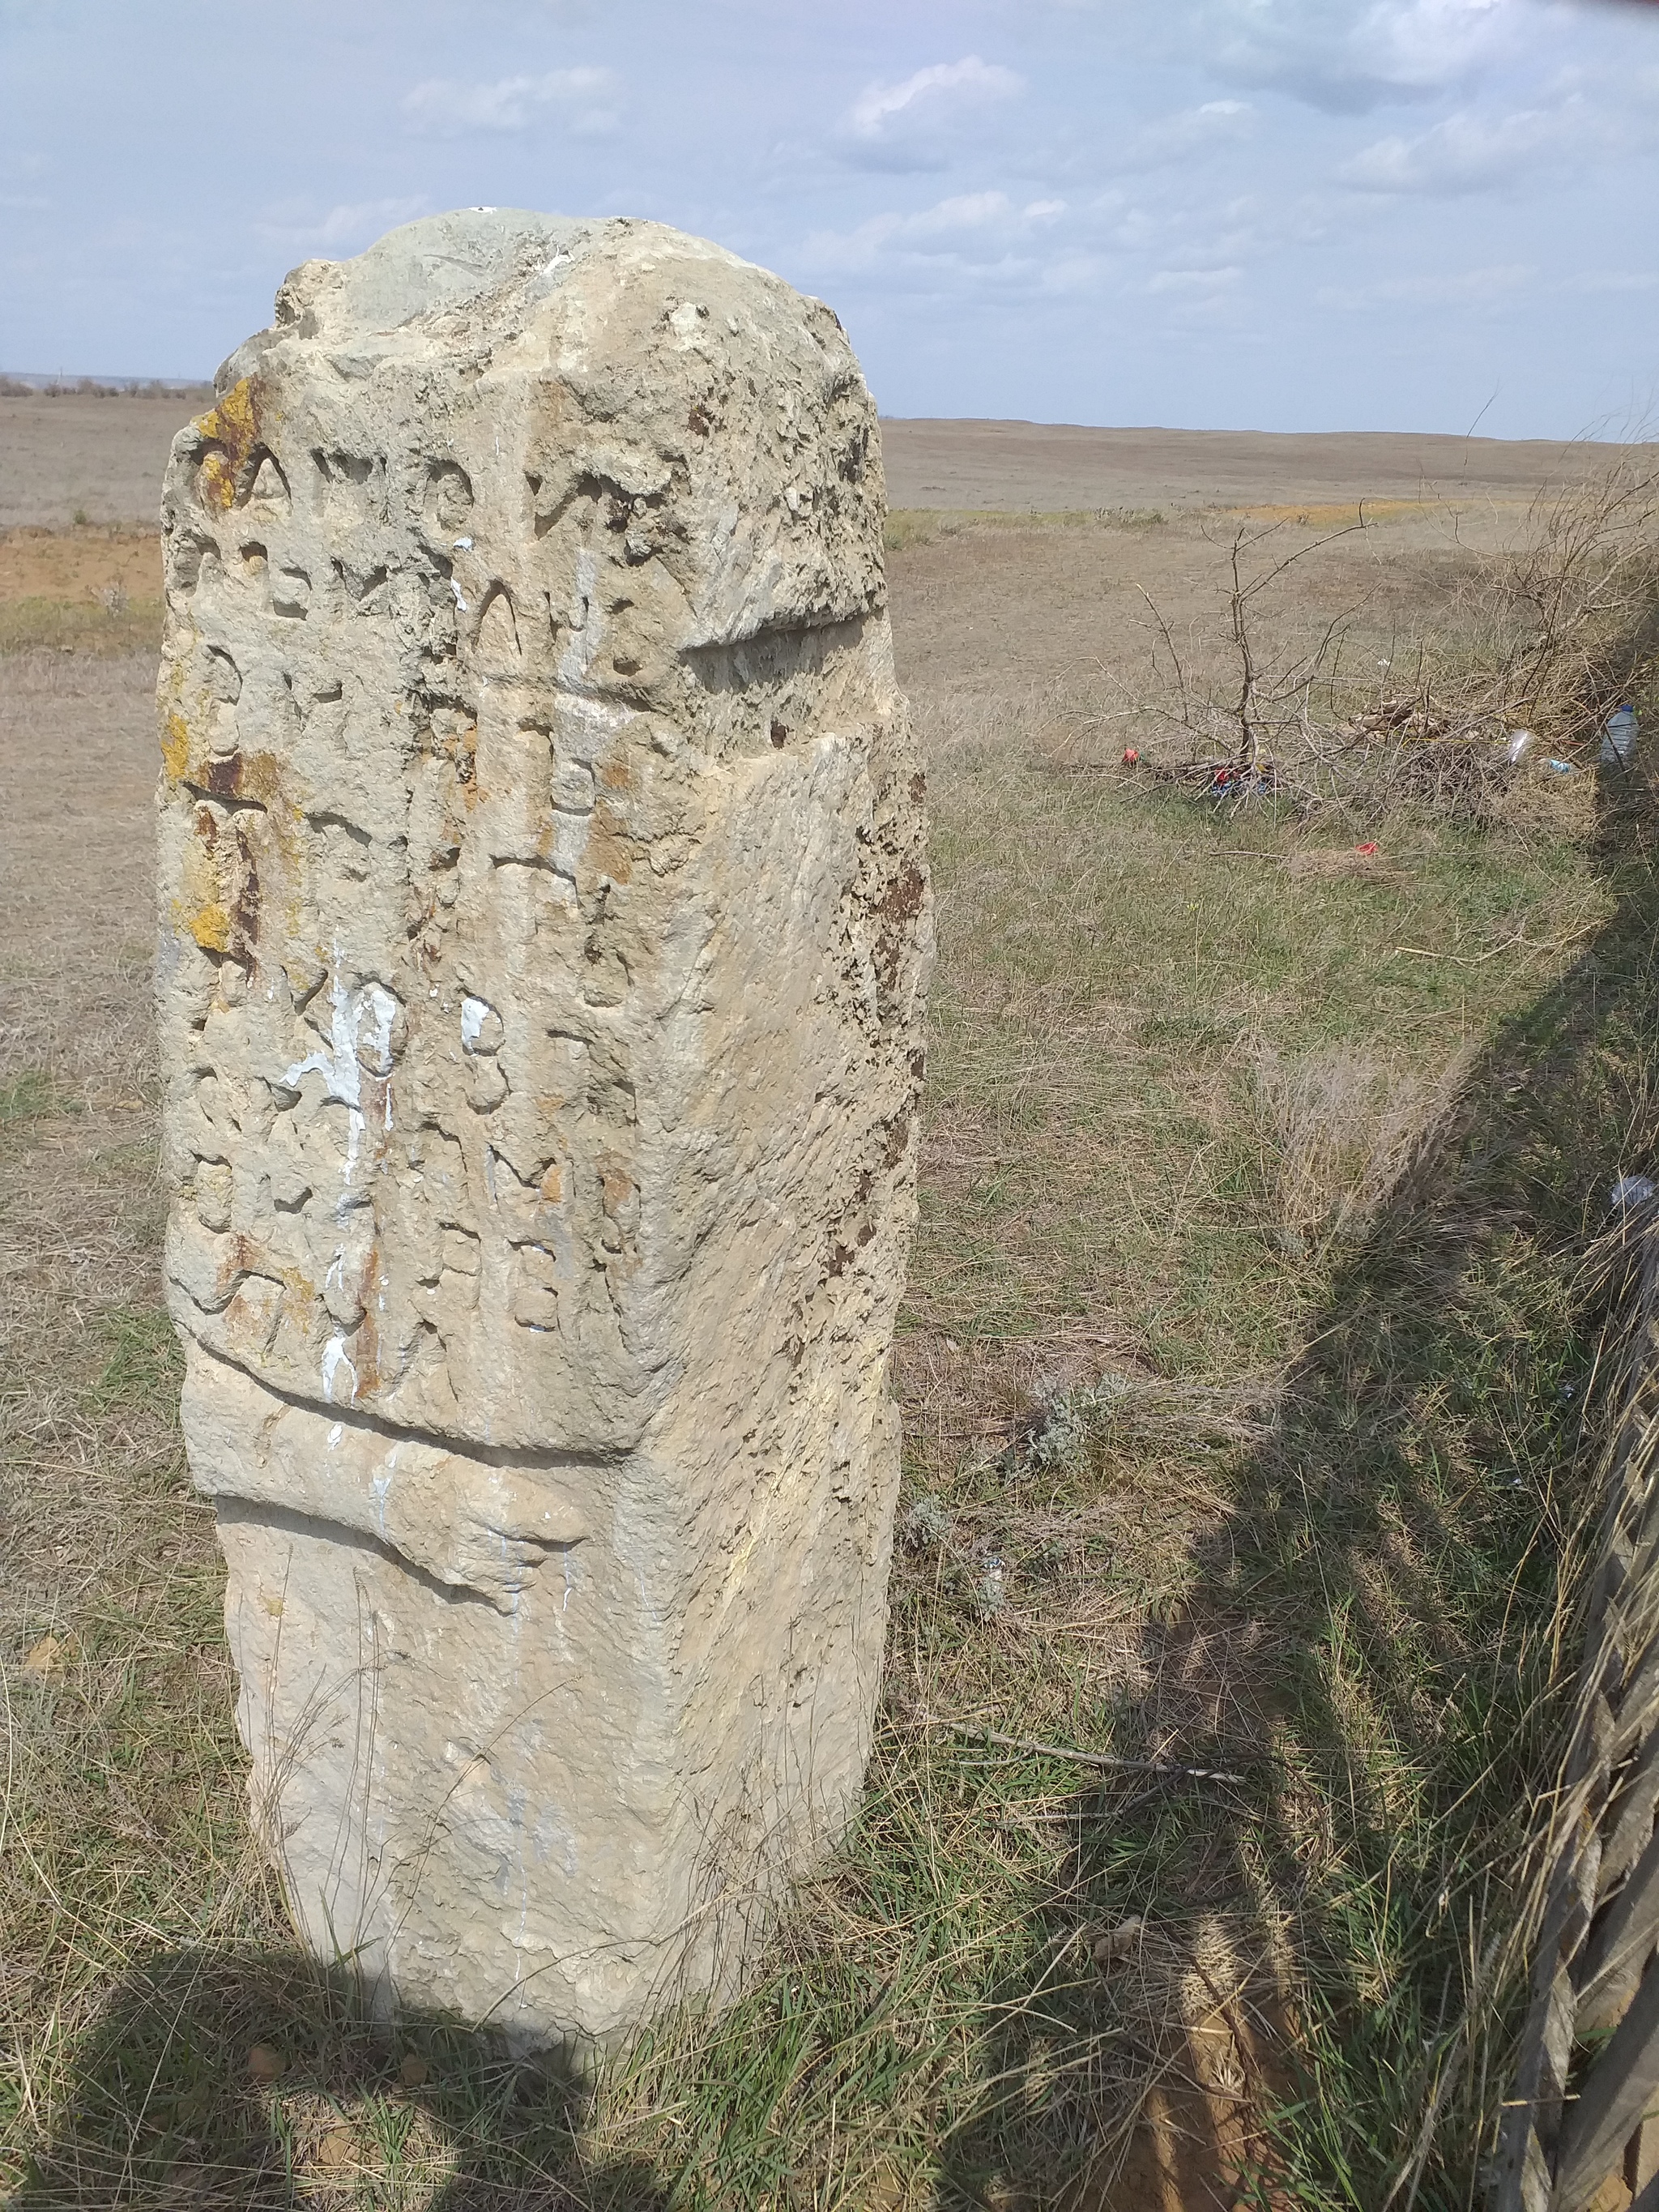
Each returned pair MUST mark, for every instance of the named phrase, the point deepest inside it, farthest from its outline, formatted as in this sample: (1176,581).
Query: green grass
(921,525)
(80,626)
(1311,1202)
(32,1095)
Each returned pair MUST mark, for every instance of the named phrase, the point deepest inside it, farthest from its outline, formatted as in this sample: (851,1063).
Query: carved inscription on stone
(544,924)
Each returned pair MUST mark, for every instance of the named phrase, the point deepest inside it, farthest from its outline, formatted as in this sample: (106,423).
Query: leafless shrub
(1545,639)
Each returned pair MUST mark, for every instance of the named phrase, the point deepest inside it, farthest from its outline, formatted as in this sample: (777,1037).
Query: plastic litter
(1564,767)
(1239,783)
(1631,1190)
(1367,850)
(1521,743)
(1619,735)
(1130,756)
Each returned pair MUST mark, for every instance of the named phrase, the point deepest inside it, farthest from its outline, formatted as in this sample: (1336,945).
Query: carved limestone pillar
(545,927)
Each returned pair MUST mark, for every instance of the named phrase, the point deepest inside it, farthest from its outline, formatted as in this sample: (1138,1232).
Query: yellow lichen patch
(202,908)
(218,478)
(232,429)
(210,925)
(175,746)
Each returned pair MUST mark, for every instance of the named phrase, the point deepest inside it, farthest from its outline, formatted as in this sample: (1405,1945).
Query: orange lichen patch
(85,566)
(231,429)
(366,1344)
(241,775)
(610,850)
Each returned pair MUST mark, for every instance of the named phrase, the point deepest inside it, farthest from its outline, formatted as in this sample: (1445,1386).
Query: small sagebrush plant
(1121,1412)
(1078,1420)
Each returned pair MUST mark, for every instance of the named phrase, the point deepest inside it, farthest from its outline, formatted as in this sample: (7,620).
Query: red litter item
(1366,849)
(1130,756)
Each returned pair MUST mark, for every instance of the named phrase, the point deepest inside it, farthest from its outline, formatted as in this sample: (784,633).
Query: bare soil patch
(995,611)
(87,564)
(71,455)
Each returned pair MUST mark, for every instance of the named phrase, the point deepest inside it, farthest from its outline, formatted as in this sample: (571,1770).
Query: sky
(1275,214)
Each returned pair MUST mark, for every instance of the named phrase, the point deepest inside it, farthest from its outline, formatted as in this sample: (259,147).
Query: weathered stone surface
(544,926)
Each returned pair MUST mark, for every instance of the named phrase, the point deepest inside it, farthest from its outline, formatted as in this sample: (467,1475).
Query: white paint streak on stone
(335,1357)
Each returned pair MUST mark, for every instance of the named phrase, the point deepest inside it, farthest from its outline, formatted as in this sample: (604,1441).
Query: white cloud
(1184,137)
(354,223)
(1471,153)
(1347,56)
(879,106)
(980,229)
(584,99)
(911,124)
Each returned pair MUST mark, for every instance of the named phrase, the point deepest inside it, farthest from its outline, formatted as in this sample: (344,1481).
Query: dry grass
(1233,1368)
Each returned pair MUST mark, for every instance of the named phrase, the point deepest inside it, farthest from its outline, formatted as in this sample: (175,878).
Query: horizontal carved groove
(531,1459)
(249,1511)
(772,655)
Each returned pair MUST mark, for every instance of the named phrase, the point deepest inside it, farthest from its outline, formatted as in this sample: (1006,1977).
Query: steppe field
(1278,1077)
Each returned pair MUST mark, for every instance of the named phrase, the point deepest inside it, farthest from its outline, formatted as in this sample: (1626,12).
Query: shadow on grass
(221,2081)
(1377,1634)
(1368,1634)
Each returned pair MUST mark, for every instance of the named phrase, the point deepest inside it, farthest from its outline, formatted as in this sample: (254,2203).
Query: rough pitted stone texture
(545,927)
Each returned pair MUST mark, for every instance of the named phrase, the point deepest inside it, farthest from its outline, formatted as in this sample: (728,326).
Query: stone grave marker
(545,931)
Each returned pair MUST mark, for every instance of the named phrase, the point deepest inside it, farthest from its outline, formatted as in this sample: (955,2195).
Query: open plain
(1243,1372)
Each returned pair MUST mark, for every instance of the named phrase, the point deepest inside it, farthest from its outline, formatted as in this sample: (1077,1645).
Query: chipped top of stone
(411,284)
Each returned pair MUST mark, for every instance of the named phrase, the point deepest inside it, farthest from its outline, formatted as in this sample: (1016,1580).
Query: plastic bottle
(1520,745)
(1619,735)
